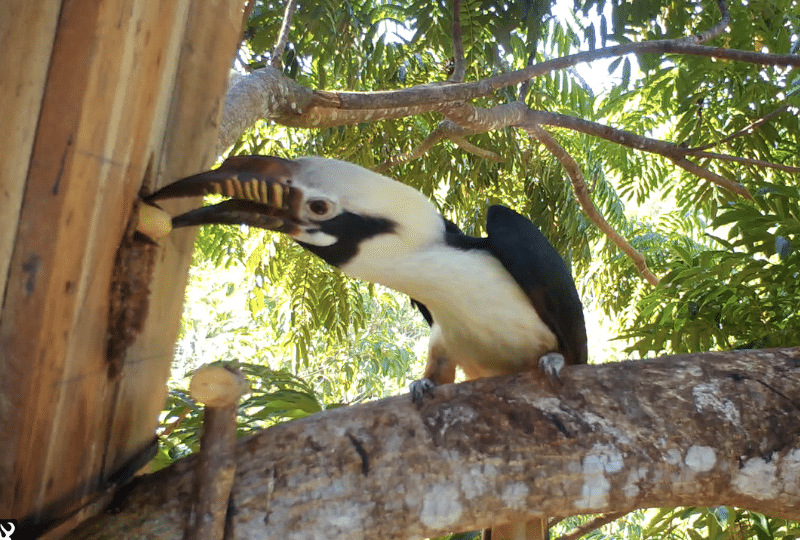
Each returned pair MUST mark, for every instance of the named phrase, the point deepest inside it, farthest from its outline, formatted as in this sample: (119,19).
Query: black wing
(543,275)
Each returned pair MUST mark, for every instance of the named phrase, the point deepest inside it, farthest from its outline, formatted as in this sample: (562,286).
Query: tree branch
(744,131)
(467,146)
(695,430)
(718,28)
(283,34)
(459,67)
(748,161)
(436,94)
(582,194)
(596,523)
(441,132)
(638,142)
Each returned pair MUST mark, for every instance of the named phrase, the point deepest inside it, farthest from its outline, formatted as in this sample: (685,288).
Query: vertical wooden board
(46,257)
(213,30)
(113,145)
(108,108)
(27,30)
(88,162)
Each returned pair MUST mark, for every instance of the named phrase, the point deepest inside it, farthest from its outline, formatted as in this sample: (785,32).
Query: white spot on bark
(673,456)
(631,488)
(757,479)
(701,458)
(790,472)
(440,507)
(515,495)
(707,397)
(605,426)
(594,493)
(347,516)
(547,404)
(595,490)
(474,480)
(609,458)
(456,415)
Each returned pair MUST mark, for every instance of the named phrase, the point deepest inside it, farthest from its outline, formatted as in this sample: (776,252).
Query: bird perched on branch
(497,305)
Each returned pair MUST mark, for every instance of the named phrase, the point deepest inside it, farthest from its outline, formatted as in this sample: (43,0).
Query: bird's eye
(319,207)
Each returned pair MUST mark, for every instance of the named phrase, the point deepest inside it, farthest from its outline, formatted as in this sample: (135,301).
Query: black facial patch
(350,230)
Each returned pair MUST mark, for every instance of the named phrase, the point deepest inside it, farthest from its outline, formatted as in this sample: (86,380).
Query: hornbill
(497,305)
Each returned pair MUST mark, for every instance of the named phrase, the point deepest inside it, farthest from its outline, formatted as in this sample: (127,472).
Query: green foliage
(719,523)
(742,296)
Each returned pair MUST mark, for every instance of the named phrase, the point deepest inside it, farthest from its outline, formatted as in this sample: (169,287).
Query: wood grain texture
(124,78)
(698,430)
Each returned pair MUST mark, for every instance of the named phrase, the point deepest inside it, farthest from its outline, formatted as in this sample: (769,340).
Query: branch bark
(704,429)
(582,194)
(283,34)
(459,67)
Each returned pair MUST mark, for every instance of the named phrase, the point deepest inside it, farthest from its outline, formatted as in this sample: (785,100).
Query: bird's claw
(419,389)
(552,364)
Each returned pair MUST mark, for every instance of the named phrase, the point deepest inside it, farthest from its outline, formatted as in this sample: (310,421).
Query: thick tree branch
(436,94)
(582,194)
(702,430)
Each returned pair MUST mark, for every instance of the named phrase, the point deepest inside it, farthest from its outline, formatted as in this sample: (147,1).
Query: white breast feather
(483,318)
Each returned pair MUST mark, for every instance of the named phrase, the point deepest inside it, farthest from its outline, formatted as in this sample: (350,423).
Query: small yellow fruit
(153,221)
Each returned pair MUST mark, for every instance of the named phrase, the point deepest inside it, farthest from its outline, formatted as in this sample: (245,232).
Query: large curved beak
(260,189)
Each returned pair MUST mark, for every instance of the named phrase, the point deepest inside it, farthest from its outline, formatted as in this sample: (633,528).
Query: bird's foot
(419,389)
(552,364)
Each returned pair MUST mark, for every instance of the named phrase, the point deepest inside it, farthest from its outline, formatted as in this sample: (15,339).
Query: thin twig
(744,131)
(430,141)
(718,28)
(459,67)
(582,194)
(445,130)
(712,177)
(467,146)
(748,161)
(283,35)
(596,523)
(639,142)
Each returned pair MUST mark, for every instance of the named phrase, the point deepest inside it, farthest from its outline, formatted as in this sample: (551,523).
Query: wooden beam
(132,93)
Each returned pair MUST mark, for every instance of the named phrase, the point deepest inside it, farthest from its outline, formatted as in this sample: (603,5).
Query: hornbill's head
(353,218)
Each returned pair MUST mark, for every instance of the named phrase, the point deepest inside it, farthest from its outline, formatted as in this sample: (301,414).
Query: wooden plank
(41,284)
(27,30)
(108,105)
(213,30)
